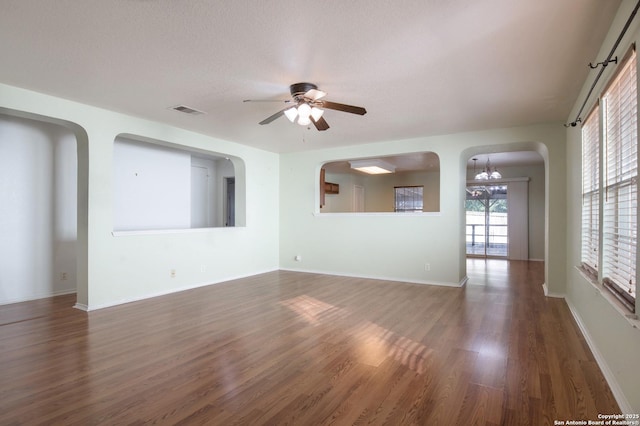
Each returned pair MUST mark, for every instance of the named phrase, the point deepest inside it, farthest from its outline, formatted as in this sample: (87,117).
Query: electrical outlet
(427,266)
(173,273)
(63,276)
(298,258)
(203,268)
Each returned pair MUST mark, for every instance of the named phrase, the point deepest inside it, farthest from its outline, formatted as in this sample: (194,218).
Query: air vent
(187,110)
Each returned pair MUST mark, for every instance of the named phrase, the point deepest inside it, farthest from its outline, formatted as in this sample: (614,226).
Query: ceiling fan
(308,106)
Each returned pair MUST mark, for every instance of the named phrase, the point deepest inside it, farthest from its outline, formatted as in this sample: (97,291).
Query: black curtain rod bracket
(603,63)
(574,123)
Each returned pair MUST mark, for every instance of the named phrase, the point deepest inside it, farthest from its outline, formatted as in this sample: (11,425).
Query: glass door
(487,221)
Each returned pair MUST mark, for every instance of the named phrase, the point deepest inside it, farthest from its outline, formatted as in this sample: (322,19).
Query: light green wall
(398,247)
(115,269)
(616,339)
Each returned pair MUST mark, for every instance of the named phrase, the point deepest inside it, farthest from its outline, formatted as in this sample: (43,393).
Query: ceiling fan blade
(315,94)
(321,124)
(274,116)
(344,108)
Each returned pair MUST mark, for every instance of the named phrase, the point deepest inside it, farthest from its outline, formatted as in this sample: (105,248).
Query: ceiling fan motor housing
(299,89)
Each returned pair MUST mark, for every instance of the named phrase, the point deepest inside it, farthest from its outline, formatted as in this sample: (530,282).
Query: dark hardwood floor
(304,349)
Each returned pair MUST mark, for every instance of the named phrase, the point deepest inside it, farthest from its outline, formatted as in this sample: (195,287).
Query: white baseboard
(169,291)
(81,306)
(546,292)
(462,282)
(621,399)
(38,296)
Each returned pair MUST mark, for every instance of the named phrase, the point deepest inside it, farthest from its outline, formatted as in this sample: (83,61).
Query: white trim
(81,306)
(170,291)
(536,260)
(621,399)
(546,292)
(170,231)
(39,296)
(384,214)
(461,283)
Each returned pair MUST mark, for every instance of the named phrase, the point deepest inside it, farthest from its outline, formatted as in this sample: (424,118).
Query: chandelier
(487,173)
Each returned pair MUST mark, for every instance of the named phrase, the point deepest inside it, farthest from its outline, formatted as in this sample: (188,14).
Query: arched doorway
(505,205)
(44,191)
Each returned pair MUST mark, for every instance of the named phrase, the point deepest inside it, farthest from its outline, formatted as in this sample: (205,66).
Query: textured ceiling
(420,67)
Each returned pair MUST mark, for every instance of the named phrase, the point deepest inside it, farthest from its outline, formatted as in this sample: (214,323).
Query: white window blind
(409,198)
(590,191)
(620,183)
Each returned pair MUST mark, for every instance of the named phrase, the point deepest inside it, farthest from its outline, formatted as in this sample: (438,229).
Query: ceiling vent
(187,110)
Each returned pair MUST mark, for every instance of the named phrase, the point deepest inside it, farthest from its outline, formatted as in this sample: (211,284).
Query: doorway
(230,201)
(358,198)
(39,221)
(487,221)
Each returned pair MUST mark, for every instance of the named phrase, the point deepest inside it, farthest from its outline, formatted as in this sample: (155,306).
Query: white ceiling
(419,67)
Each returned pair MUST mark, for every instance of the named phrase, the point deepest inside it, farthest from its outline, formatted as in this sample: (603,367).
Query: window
(620,134)
(408,198)
(590,191)
(615,194)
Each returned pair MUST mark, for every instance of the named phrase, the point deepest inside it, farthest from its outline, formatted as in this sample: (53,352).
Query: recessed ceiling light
(373,166)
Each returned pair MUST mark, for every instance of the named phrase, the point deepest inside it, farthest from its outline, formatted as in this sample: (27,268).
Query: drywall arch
(554,244)
(82,146)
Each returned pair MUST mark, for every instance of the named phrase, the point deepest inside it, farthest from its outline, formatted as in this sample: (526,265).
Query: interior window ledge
(369,214)
(169,231)
(631,318)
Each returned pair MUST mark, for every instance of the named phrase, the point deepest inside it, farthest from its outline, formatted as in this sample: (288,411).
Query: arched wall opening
(364,185)
(488,150)
(43,213)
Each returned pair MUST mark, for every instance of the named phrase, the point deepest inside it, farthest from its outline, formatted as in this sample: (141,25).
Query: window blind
(590,191)
(620,183)
(409,198)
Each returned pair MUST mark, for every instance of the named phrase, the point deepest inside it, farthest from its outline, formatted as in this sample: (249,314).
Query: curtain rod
(604,65)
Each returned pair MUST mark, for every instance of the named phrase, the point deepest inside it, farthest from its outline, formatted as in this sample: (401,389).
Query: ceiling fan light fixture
(316,113)
(304,120)
(291,114)
(304,110)
(496,174)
